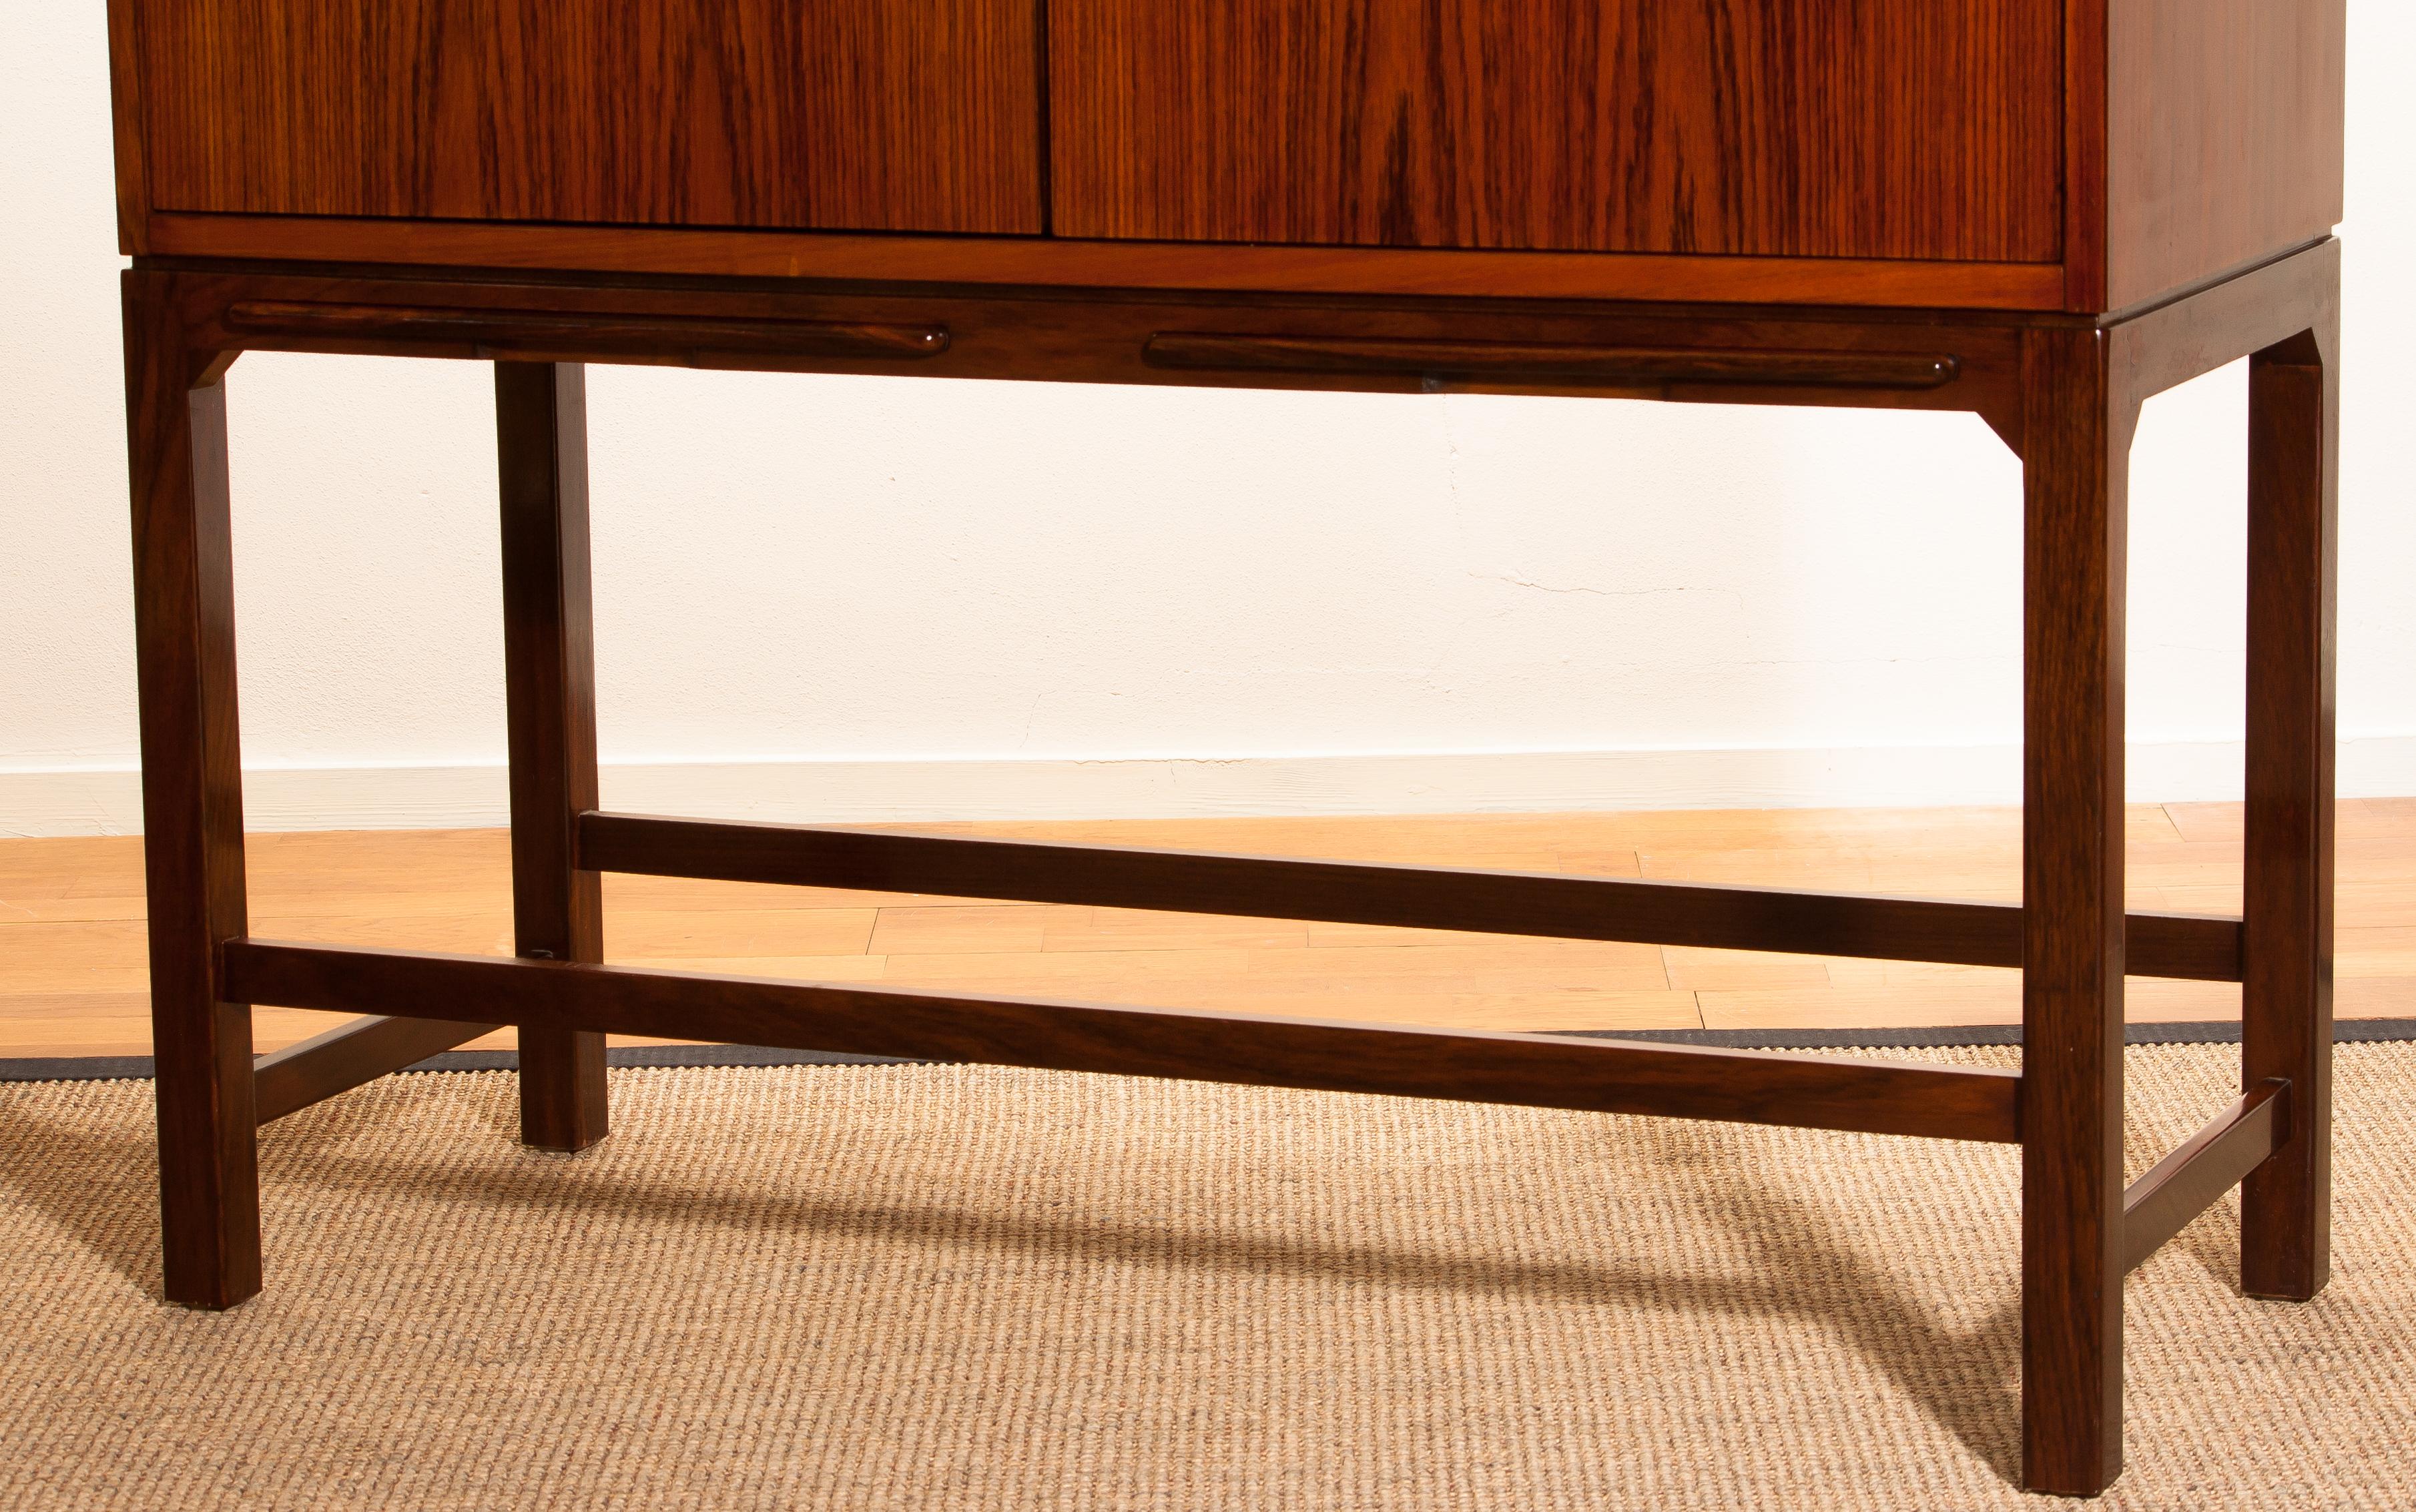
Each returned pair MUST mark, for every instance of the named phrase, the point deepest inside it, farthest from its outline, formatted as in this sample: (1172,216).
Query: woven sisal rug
(929,1287)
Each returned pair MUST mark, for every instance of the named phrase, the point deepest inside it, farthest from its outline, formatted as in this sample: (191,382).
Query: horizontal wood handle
(494,330)
(1611,366)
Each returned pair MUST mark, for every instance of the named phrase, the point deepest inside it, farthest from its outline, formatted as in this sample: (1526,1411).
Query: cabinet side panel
(126,128)
(1895,129)
(889,114)
(2225,122)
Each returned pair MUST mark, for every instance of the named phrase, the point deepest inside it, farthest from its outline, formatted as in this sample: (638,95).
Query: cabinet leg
(2077,439)
(2287,1001)
(550,688)
(193,802)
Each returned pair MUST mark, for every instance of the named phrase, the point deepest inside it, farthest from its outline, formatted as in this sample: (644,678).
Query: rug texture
(965,1288)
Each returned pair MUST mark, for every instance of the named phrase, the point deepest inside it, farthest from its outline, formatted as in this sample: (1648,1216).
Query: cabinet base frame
(2063,390)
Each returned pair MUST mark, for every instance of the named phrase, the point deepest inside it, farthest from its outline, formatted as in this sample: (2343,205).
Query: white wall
(888,598)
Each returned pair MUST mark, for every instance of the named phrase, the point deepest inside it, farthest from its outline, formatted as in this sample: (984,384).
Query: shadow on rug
(956,1287)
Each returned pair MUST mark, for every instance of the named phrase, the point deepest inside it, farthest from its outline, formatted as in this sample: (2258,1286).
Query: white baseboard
(107,801)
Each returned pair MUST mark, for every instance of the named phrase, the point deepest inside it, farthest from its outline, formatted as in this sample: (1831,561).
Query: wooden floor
(71,952)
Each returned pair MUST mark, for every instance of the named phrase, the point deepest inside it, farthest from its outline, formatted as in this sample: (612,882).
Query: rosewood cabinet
(2075,154)
(916,115)
(2038,211)
(1923,129)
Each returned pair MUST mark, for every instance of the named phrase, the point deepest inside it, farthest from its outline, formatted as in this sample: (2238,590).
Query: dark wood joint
(2210,1164)
(2304,350)
(350,1055)
(2288,303)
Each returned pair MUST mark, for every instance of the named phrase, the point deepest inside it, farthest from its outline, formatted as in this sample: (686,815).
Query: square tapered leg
(192,801)
(2078,437)
(550,684)
(2286,1008)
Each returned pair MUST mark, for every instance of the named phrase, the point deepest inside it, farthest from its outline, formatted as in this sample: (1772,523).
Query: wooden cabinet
(2208,137)
(1880,129)
(2075,154)
(2039,212)
(889,114)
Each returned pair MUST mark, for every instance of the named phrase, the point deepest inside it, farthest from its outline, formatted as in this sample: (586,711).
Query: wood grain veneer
(2222,138)
(862,114)
(1066,262)
(1914,129)
(2077,155)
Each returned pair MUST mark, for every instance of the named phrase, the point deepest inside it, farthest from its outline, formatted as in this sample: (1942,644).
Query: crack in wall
(1521,580)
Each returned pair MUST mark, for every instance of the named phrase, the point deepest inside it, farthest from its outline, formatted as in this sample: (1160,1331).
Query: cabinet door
(1900,128)
(896,115)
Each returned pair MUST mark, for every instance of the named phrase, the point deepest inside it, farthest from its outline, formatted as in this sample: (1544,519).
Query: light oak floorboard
(71,941)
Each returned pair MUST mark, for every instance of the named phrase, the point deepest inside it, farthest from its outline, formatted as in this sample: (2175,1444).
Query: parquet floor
(71,951)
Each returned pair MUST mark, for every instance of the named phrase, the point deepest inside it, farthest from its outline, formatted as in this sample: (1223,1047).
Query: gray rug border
(2216,1032)
(2345,1032)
